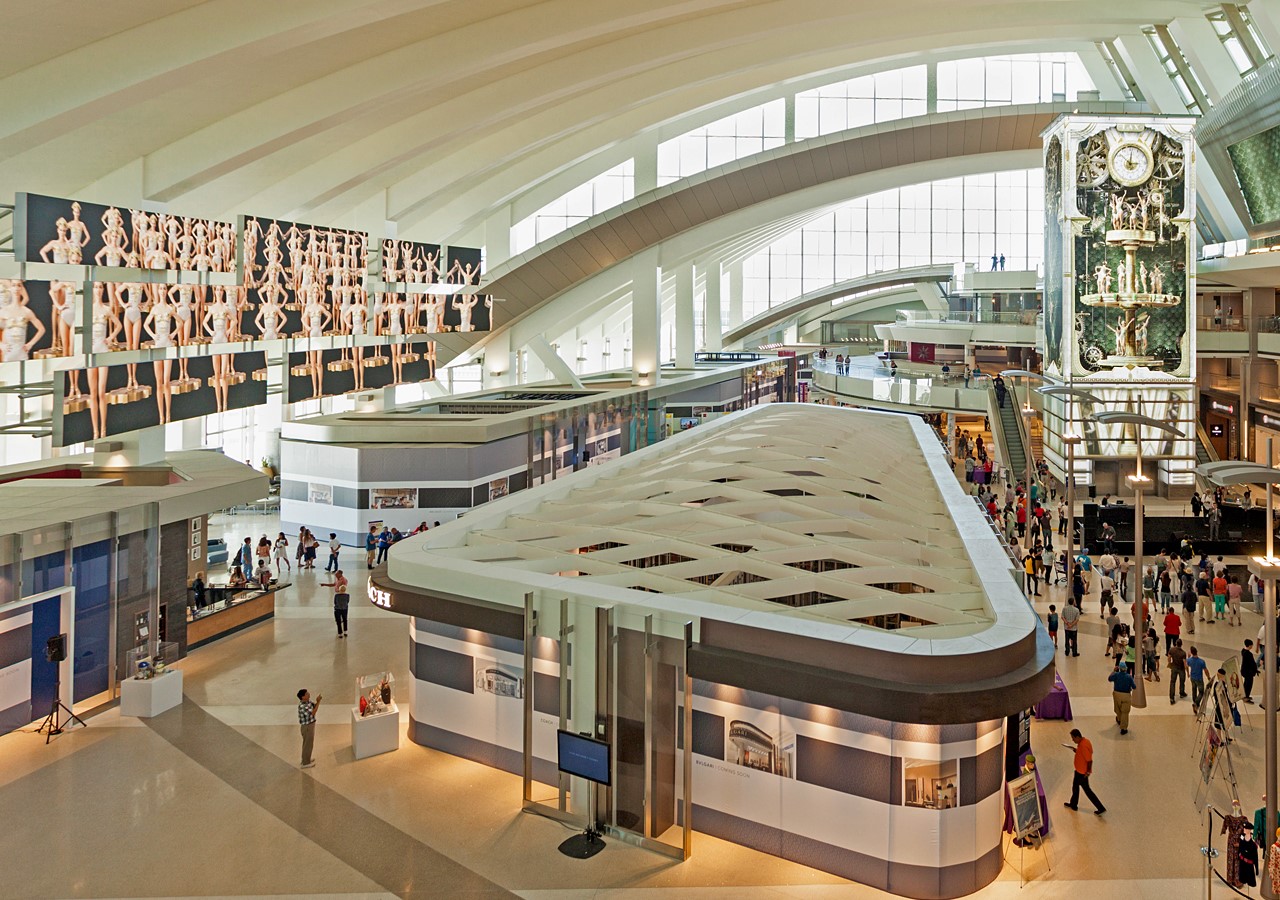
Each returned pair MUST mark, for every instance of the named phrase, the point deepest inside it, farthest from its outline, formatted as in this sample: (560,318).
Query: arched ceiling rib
(441,108)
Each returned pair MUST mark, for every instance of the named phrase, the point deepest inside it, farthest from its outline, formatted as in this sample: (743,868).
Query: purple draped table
(1057,705)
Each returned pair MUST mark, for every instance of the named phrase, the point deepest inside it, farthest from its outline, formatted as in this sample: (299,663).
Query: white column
(646,165)
(646,315)
(684,316)
(556,366)
(735,294)
(499,364)
(497,237)
(711,308)
(1206,55)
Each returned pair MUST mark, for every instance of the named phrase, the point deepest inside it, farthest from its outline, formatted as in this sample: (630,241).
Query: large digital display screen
(1255,160)
(331,373)
(309,280)
(37,319)
(96,403)
(79,233)
(409,262)
(582,756)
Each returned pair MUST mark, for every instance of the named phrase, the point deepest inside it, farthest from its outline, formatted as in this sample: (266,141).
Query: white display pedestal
(149,697)
(372,735)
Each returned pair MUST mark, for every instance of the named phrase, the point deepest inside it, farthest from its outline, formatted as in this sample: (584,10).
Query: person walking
(1233,601)
(335,545)
(1052,623)
(1177,670)
(1083,771)
(1172,629)
(1031,584)
(1248,669)
(1070,626)
(1197,667)
(341,602)
(307,722)
(1122,685)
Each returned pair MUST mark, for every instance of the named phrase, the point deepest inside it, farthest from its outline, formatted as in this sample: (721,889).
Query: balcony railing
(969,317)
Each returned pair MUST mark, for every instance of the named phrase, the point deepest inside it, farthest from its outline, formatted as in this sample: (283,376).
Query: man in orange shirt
(1084,768)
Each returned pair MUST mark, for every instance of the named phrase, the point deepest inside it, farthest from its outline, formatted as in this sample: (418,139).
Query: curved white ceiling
(350,111)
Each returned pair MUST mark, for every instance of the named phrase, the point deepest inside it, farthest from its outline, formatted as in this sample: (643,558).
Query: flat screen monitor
(583,756)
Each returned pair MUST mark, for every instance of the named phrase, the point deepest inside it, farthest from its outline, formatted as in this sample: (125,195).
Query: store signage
(1227,408)
(379,597)
(1266,419)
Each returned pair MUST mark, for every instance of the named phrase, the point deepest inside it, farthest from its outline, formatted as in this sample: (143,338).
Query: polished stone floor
(207,800)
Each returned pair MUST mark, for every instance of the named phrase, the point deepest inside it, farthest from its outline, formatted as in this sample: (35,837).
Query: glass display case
(375,694)
(147,660)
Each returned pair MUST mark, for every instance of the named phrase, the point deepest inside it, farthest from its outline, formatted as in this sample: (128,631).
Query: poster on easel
(1024,800)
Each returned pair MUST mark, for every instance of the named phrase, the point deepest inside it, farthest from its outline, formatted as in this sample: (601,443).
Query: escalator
(1009,433)
(1204,449)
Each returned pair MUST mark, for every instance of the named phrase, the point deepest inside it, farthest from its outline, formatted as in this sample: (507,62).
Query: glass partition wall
(108,564)
(621,677)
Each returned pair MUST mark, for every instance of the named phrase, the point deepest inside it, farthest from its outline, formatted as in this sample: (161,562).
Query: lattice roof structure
(786,513)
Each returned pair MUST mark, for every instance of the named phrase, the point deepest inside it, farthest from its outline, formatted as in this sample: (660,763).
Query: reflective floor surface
(208,801)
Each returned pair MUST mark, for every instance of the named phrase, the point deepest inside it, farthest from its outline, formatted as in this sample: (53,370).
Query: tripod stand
(52,724)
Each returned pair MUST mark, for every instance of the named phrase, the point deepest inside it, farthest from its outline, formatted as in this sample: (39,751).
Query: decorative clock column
(1119,286)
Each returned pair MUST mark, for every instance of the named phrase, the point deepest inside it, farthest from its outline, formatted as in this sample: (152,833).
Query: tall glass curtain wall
(952,220)
(852,103)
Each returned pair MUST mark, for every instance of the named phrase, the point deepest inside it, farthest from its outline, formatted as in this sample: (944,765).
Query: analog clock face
(1130,164)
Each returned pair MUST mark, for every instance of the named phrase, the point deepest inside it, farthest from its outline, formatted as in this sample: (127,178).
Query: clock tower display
(1119,288)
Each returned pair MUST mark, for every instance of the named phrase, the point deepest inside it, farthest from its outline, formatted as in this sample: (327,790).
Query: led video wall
(331,373)
(78,233)
(37,318)
(172,344)
(408,262)
(91,404)
(310,280)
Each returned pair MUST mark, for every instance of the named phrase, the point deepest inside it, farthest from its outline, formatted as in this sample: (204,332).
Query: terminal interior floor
(207,800)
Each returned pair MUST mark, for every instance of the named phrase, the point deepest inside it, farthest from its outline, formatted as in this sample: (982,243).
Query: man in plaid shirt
(307,720)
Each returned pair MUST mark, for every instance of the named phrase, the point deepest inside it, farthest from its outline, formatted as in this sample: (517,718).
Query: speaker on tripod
(55,651)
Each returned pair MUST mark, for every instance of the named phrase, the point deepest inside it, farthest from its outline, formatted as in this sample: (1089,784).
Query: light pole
(1071,439)
(1267,568)
(1139,481)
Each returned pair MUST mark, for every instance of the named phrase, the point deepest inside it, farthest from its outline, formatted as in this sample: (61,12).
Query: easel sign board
(1025,802)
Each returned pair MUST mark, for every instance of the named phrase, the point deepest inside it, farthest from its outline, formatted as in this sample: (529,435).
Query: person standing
(1122,685)
(1177,670)
(1248,669)
(307,722)
(1197,667)
(1083,771)
(245,557)
(384,544)
(1215,519)
(371,545)
(282,553)
(335,545)
(1070,626)
(341,602)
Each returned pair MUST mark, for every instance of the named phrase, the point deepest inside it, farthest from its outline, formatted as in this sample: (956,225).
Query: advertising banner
(96,403)
(331,373)
(79,233)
